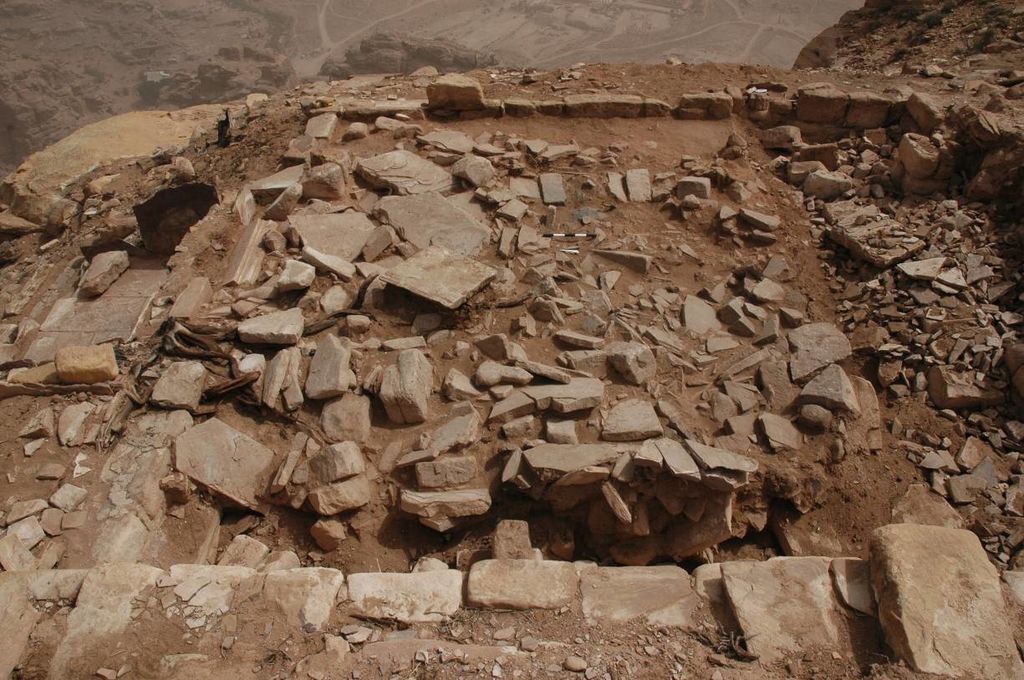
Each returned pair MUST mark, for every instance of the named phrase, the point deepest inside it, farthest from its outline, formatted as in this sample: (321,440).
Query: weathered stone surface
(336,462)
(180,386)
(511,540)
(103,612)
(17,623)
(555,460)
(827,185)
(438,507)
(920,505)
(779,432)
(552,189)
(940,603)
(347,418)
(68,497)
(603,105)
(332,499)
(244,551)
(661,596)
(295,275)
(814,347)
(950,389)
(693,186)
(306,597)
(852,580)
(522,584)
(721,469)
(403,172)
(832,389)
(406,386)
(785,606)
(638,185)
(336,235)
(631,420)
(822,103)
(446,473)
(196,294)
(329,533)
(104,269)
(225,461)
(475,170)
(430,219)
(440,276)
(276,328)
(14,556)
(419,597)
(86,365)
(322,126)
(633,361)
(455,92)
(699,317)
(330,373)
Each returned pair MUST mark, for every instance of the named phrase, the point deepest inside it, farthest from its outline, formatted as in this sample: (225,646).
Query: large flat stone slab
(522,584)
(419,597)
(306,597)
(786,606)
(341,235)
(20,617)
(226,461)
(440,276)
(432,220)
(96,626)
(940,603)
(662,596)
(403,173)
(559,459)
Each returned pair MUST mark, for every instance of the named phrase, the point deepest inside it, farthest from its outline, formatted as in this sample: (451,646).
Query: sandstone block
(419,597)
(940,603)
(86,365)
(522,584)
(406,386)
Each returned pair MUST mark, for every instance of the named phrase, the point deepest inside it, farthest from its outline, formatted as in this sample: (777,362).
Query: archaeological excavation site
(658,371)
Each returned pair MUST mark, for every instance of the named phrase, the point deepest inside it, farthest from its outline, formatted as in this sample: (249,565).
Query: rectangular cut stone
(940,603)
(419,597)
(522,584)
(440,276)
(559,459)
(786,607)
(638,185)
(661,596)
(226,461)
(552,189)
(603,106)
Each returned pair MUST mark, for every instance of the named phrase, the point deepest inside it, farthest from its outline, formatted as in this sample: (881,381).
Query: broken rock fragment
(403,172)
(330,373)
(276,328)
(226,461)
(631,420)
(104,269)
(814,347)
(440,276)
(180,386)
(332,499)
(406,386)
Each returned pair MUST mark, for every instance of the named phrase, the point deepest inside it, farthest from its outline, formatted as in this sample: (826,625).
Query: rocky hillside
(937,38)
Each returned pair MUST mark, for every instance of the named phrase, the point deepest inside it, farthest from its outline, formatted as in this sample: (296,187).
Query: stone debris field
(518,375)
